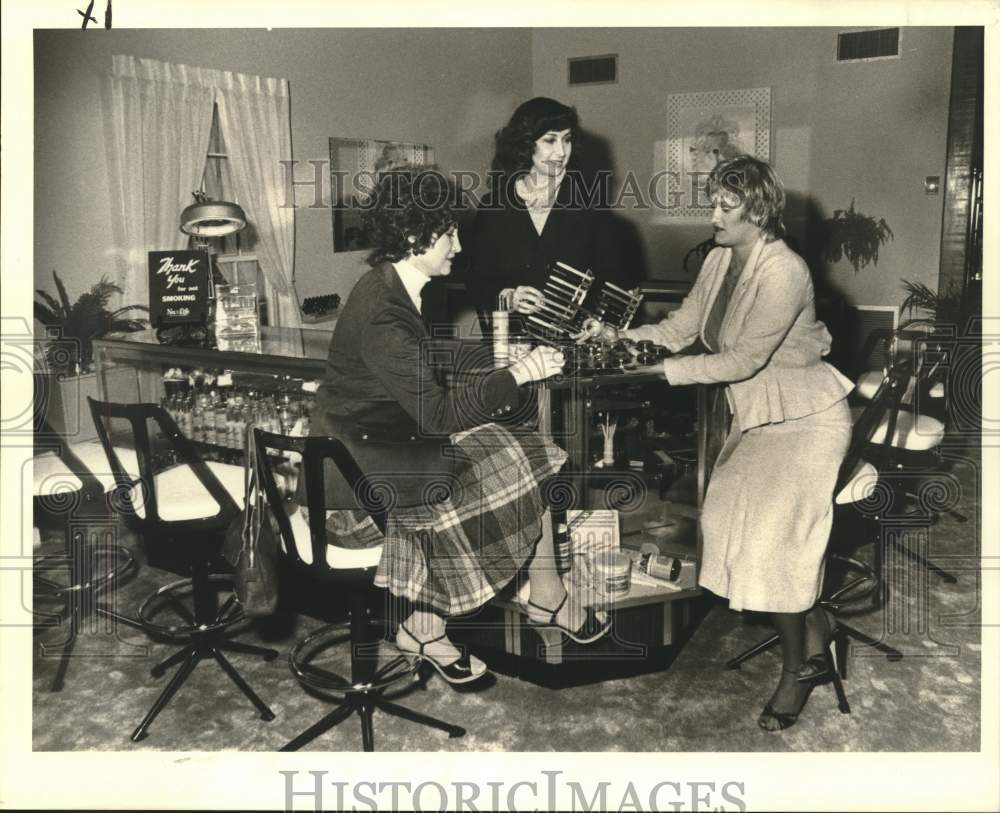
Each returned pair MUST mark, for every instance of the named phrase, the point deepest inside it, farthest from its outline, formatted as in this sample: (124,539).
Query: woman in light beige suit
(768,511)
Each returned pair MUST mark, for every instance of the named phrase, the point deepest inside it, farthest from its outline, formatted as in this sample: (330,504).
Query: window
(236,262)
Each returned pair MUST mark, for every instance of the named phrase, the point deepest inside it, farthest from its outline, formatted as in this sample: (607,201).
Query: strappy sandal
(580,635)
(818,665)
(457,671)
(771,720)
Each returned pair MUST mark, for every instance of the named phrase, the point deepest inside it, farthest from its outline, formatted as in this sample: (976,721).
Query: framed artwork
(703,129)
(355,166)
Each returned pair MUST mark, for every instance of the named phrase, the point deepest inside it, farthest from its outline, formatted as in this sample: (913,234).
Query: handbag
(251,544)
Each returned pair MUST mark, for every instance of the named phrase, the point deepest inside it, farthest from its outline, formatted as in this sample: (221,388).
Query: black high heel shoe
(771,720)
(820,665)
(457,671)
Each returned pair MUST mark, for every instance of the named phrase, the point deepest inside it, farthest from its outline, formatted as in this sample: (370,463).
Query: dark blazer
(384,375)
(506,251)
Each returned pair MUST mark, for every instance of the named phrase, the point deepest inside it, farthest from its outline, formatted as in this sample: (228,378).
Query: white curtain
(160,120)
(256,127)
(161,117)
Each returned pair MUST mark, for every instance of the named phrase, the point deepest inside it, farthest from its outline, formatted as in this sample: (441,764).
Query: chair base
(85,584)
(209,646)
(361,694)
(364,703)
(923,562)
(848,631)
(205,629)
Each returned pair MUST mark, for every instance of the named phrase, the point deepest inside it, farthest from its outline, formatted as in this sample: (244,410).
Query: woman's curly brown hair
(410,207)
(515,143)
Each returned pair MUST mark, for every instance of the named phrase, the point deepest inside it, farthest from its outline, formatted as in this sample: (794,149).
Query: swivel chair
(911,446)
(181,506)
(347,571)
(70,485)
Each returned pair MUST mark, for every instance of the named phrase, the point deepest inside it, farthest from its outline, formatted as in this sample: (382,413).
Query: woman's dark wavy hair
(408,202)
(515,143)
(758,188)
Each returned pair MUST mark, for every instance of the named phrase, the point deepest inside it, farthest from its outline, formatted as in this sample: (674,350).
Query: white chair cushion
(916,433)
(336,558)
(861,485)
(868,384)
(51,475)
(181,496)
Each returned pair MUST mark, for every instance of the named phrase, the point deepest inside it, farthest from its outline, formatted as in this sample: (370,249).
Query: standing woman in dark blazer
(383,390)
(539,210)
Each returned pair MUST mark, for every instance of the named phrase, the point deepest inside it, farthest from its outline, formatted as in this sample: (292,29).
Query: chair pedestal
(362,693)
(204,626)
(82,587)
(864,583)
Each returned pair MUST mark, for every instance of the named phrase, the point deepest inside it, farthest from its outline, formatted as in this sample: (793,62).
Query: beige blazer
(771,343)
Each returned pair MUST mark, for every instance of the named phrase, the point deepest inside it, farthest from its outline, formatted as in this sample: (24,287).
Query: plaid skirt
(455,555)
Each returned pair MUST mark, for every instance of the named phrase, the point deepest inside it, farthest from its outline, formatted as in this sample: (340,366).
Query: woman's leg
(546,588)
(791,695)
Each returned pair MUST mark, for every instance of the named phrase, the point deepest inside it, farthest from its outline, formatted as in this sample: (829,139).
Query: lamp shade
(213,218)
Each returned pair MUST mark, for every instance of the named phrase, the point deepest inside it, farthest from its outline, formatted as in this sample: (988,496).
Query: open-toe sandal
(589,631)
(457,671)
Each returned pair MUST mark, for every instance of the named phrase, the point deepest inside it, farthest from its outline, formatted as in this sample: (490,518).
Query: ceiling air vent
(593,70)
(880,43)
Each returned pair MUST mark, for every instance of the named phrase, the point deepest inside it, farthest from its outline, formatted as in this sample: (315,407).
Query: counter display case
(666,437)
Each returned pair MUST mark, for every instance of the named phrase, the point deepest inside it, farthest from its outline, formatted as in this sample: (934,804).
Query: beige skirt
(768,511)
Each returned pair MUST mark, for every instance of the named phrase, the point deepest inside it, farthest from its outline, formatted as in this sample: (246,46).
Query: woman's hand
(541,363)
(526,299)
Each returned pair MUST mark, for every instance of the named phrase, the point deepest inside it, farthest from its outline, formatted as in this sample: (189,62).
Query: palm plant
(927,307)
(856,236)
(81,322)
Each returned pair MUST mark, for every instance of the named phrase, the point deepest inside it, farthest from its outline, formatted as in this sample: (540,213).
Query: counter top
(292,350)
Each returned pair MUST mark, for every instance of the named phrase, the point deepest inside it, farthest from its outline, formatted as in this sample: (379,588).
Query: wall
(869,131)
(451,88)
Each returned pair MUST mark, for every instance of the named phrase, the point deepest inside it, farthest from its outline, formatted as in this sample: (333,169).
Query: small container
(501,345)
(660,566)
(613,570)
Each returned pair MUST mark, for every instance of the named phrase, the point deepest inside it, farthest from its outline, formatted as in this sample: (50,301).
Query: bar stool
(70,485)
(911,431)
(181,506)
(350,572)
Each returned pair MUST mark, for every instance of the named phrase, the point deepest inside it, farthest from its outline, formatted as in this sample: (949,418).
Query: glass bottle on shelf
(198,420)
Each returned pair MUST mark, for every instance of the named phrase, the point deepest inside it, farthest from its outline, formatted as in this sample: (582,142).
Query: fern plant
(856,236)
(81,322)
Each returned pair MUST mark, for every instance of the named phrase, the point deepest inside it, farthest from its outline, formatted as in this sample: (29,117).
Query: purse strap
(251,496)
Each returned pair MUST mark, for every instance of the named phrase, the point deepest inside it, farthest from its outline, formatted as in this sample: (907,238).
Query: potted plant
(856,236)
(69,353)
(931,308)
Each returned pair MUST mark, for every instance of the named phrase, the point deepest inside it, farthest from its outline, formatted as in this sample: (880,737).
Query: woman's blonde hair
(758,188)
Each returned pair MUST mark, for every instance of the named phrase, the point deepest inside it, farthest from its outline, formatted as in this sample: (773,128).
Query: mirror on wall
(355,166)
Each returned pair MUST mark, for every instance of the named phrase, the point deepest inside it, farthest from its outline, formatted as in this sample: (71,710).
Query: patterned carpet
(928,701)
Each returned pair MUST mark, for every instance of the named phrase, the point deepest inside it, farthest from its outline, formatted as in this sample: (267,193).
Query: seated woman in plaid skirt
(384,397)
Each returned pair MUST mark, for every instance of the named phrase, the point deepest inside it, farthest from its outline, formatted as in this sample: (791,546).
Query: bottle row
(220,416)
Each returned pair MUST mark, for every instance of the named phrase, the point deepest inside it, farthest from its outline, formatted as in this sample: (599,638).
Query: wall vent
(879,43)
(593,70)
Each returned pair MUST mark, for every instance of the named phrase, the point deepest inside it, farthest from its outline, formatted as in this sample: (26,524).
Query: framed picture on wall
(355,167)
(703,129)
